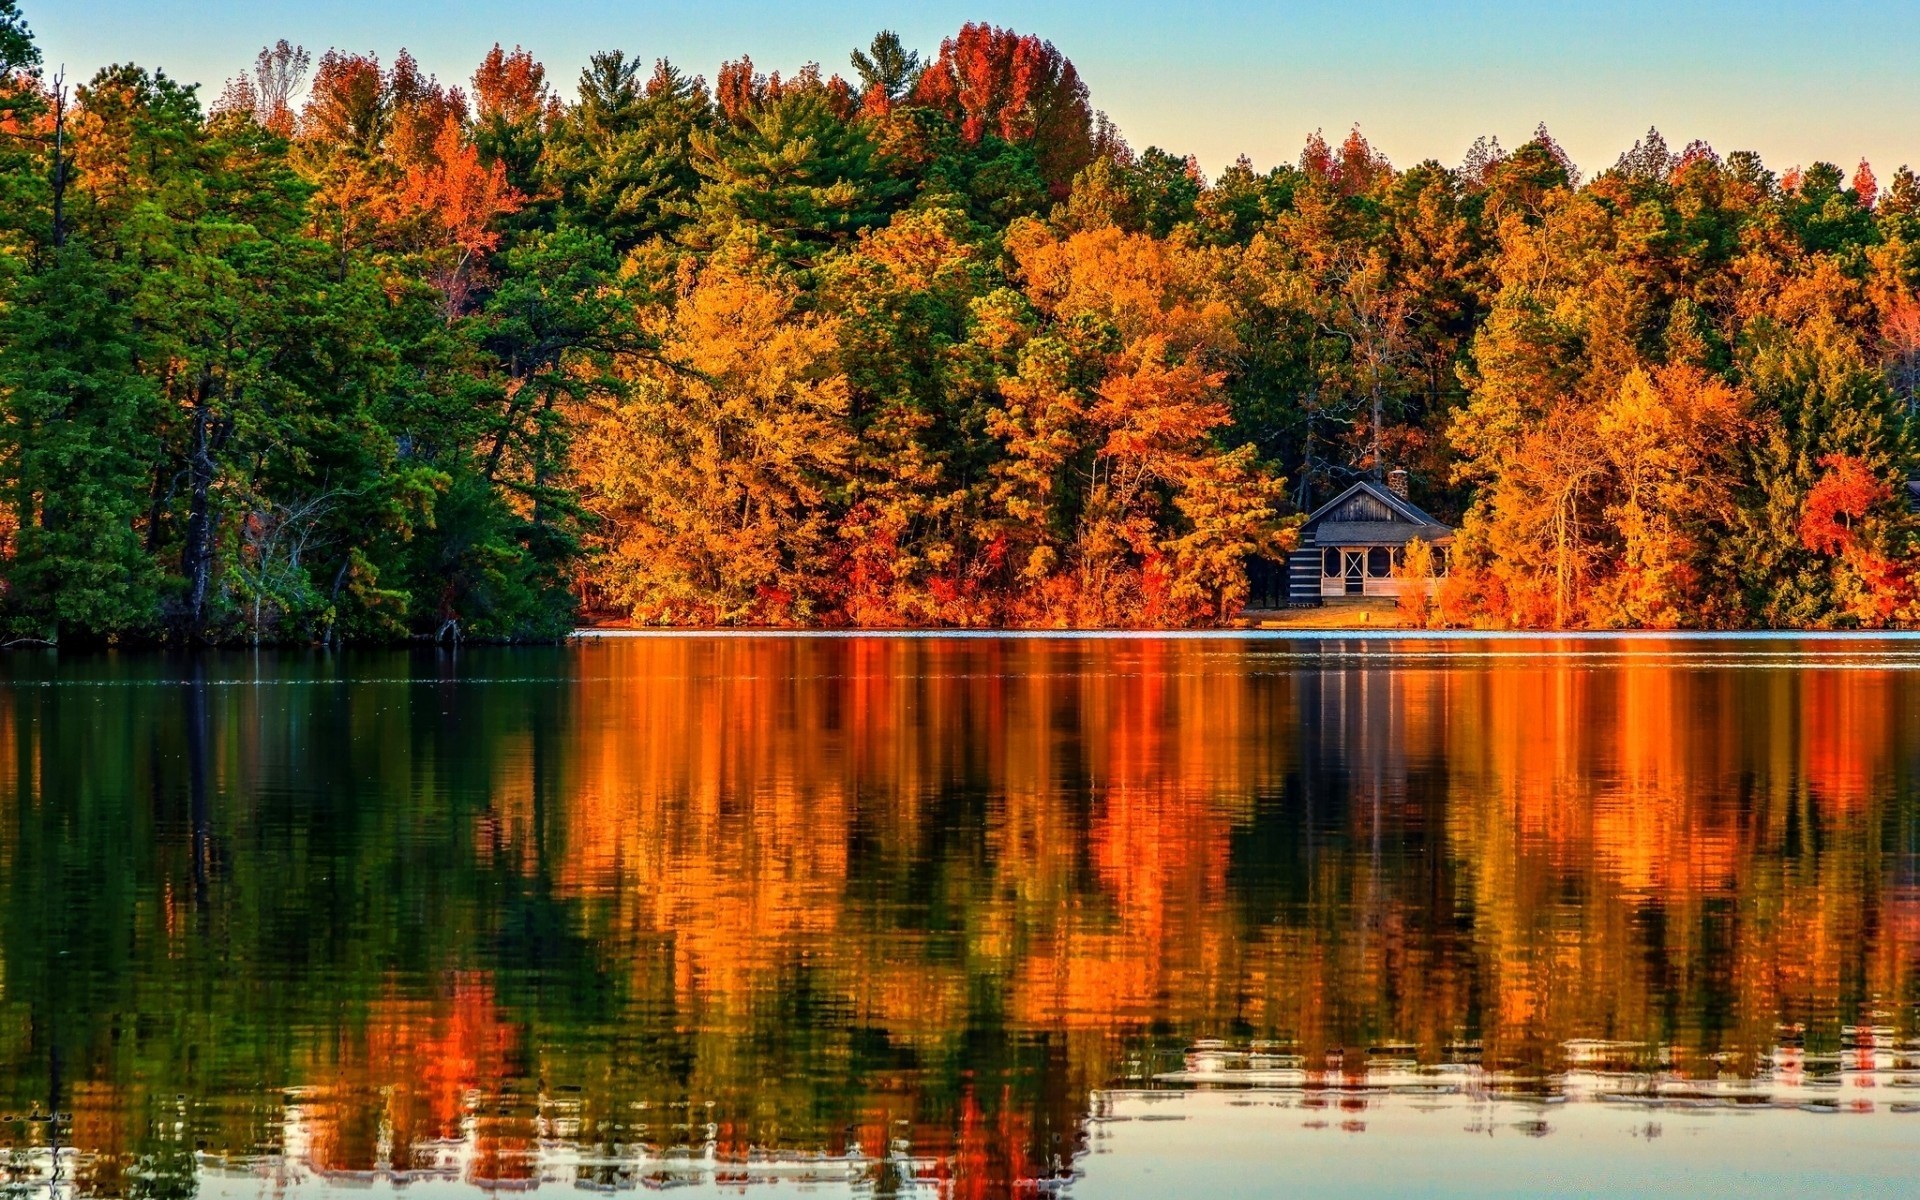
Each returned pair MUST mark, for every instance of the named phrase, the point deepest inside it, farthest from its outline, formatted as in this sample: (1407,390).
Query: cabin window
(1330,564)
(1399,558)
(1379,562)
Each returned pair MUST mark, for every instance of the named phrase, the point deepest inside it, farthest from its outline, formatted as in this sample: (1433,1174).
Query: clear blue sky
(1796,80)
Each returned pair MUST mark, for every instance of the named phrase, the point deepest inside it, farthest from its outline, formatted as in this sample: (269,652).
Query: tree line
(350,353)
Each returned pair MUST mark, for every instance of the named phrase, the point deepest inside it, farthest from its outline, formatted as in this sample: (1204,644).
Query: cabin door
(1356,572)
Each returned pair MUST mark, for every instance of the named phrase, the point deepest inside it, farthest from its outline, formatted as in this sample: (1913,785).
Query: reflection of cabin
(1354,544)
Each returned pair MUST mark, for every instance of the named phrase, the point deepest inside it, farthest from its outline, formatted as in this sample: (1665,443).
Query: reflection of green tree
(169,928)
(167,937)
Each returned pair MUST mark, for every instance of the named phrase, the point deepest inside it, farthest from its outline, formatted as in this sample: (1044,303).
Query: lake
(1109,916)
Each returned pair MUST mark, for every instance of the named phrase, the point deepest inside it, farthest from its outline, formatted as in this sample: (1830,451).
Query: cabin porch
(1367,571)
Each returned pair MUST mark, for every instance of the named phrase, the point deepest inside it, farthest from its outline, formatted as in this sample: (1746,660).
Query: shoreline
(1303,633)
(1243,633)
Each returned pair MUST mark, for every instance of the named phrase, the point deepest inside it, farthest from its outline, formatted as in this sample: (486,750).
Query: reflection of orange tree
(1600,852)
(421,1070)
(714,802)
(1643,836)
(1171,764)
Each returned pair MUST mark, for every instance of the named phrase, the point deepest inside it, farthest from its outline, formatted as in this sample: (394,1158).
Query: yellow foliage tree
(1419,565)
(1672,437)
(711,476)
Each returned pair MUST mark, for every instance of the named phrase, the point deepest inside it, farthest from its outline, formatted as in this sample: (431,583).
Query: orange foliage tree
(1846,492)
(1116,390)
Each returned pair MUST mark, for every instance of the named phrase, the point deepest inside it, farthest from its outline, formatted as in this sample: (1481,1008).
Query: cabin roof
(1377,533)
(1391,521)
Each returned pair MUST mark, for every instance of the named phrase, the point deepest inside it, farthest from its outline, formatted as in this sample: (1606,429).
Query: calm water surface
(895,916)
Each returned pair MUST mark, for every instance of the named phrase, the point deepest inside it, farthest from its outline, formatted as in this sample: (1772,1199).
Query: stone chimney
(1397,482)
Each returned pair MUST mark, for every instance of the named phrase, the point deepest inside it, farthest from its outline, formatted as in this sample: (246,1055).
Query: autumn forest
(339,351)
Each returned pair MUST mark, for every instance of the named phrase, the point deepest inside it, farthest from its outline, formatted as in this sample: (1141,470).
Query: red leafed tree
(1316,157)
(420,107)
(1865,187)
(463,196)
(740,92)
(1353,168)
(1017,87)
(737,90)
(396,113)
(1848,491)
(1360,164)
(348,106)
(512,86)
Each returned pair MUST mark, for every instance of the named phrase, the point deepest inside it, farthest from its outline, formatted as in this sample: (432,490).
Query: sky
(1796,80)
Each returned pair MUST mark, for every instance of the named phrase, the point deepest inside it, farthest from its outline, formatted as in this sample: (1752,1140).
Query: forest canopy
(346,352)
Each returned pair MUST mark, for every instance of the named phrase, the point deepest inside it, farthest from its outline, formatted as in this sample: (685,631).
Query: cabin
(1352,545)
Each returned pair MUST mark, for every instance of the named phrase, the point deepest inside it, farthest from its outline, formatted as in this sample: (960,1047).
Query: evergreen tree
(78,449)
(621,158)
(792,170)
(888,72)
(17,50)
(1827,407)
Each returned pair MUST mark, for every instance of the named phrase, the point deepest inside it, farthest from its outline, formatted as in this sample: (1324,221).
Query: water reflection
(909,914)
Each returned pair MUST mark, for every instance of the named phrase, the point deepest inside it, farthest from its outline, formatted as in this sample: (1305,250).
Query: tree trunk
(157,501)
(59,160)
(1379,416)
(196,556)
